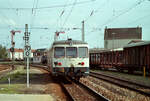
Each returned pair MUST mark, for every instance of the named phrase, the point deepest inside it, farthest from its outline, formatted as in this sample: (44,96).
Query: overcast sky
(63,15)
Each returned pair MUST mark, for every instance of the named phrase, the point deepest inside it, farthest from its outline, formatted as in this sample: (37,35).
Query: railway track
(80,92)
(142,89)
(5,72)
(76,91)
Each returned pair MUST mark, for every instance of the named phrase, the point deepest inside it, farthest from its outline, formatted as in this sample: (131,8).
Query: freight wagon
(132,57)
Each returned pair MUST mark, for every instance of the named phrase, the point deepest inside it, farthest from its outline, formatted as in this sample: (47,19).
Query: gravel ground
(113,92)
(130,77)
(3,67)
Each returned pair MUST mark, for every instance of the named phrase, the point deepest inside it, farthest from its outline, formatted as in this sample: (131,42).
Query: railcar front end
(70,58)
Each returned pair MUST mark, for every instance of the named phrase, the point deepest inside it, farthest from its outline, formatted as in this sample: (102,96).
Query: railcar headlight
(82,63)
(59,63)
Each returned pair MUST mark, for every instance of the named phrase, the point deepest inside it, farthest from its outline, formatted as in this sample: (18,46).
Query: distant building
(119,37)
(18,54)
(37,55)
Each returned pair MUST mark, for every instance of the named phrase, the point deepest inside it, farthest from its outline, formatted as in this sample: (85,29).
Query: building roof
(33,50)
(17,50)
(123,33)
(137,44)
(20,50)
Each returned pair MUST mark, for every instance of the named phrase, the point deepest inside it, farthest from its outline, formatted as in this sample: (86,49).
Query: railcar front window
(71,52)
(59,52)
(82,52)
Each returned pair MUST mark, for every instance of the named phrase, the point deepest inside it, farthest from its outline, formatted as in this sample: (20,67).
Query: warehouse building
(119,37)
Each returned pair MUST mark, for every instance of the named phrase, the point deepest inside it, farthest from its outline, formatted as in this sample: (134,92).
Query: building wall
(116,43)
(18,55)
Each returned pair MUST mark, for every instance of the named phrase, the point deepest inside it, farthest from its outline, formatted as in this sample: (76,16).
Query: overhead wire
(65,21)
(33,15)
(48,7)
(124,12)
(114,17)
(60,16)
(138,19)
(8,22)
(77,27)
(93,12)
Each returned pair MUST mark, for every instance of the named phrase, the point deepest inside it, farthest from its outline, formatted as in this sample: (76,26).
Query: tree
(3,52)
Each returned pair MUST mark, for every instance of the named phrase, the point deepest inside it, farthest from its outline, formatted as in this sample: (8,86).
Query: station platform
(25,97)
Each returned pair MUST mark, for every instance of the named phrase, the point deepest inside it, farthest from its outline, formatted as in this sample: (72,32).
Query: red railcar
(137,56)
(95,60)
(107,59)
(132,57)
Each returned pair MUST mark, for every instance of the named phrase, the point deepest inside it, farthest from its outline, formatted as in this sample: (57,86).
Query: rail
(142,89)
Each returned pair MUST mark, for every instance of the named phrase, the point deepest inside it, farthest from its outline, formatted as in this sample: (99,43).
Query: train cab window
(71,52)
(59,52)
(82,52)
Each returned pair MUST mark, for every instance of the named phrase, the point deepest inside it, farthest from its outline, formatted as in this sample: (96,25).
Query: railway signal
(13,45)
(57,34)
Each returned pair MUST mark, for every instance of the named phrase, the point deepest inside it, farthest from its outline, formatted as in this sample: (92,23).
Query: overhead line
(127,10)
(124,12)
(138,19)
(93,12)
(48,7)
(63,11)
(69,12)
(34,13)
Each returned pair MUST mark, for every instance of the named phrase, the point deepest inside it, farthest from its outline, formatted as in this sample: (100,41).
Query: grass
(10,89)
(11,76)
(17,81)
(17,78)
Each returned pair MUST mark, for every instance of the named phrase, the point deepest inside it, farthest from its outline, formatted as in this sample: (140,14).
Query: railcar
(107,59)
(137,56)
(132,57)
(69,58)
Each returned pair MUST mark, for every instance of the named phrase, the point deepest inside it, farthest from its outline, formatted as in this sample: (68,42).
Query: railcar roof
(137,44)
(69,41)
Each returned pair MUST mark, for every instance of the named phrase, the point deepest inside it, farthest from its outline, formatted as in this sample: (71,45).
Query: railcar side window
(71,52)
(59,52)
(82,52)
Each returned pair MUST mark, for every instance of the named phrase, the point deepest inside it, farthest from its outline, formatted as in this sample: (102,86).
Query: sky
(45,17)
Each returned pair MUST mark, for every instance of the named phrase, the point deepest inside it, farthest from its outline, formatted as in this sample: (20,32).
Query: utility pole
(27,51)
(83,30)
(13,45)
